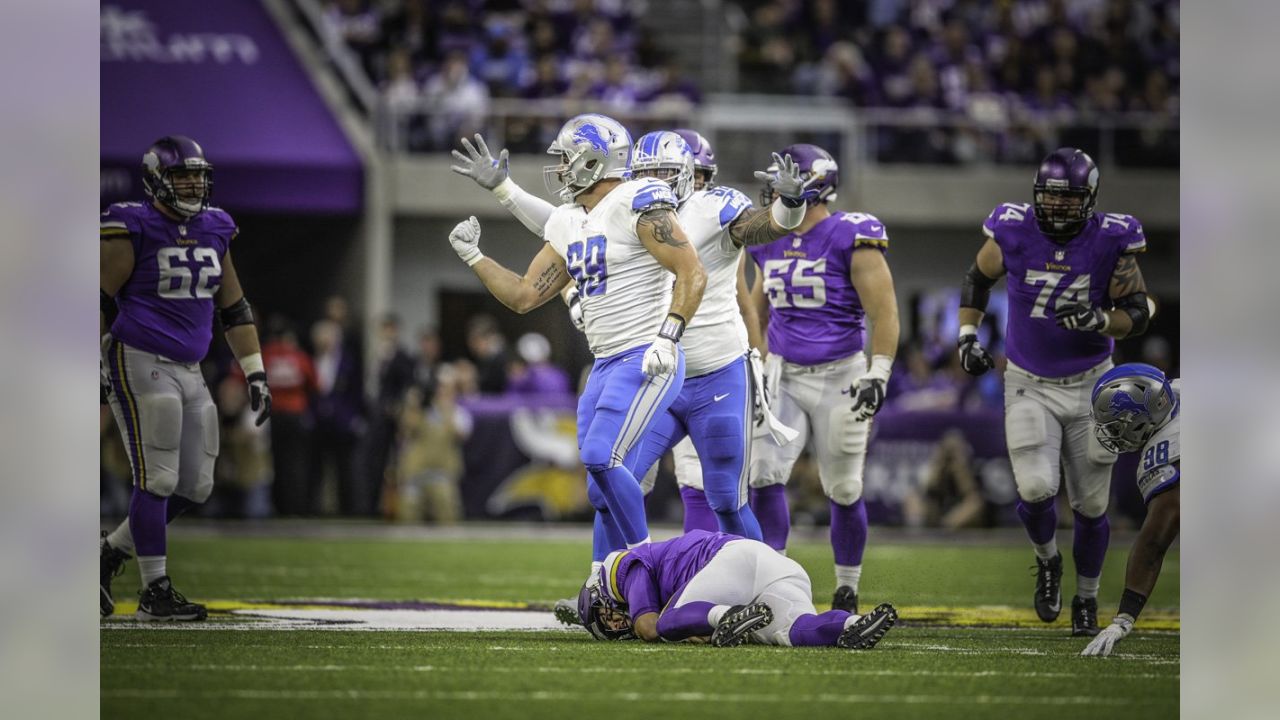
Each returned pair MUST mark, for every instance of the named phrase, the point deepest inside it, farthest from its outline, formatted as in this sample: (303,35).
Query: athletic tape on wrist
(787,217)
(251,364)
(672,328)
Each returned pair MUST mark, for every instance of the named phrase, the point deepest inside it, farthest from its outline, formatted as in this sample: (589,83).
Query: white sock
(1087,587)
(152,568)
(1047,550)
(848,575)
(851,620)
(121,538)
(645,541)
(595,569)
(715,614)
(783,552)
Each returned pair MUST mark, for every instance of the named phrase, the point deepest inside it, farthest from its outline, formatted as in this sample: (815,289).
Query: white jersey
(716,336)
(626,293)
(1157,472)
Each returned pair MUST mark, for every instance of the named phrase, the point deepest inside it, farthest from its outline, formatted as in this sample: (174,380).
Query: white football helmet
(591,148)
(666,156)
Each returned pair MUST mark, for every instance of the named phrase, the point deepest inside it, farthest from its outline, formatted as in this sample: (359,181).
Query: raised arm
(975,293)
(870,274)
(761,226)
(493,175)
(545,278)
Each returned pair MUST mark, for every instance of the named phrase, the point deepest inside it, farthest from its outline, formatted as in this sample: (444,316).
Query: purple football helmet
(592,605)
(176,173)
(704,158)
(817,168)
(1066,189)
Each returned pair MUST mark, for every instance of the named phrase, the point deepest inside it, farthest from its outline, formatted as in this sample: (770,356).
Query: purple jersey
(815,313)
(166,305)
(1043,274)
(648,576)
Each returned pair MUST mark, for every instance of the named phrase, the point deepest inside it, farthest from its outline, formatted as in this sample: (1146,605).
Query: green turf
(916,672)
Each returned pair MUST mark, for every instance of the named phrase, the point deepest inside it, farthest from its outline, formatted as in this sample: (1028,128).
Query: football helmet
(1065,191)
(603,618)
(667,157)
(817,168)
(704,159)
(591,148)
(1129,404)
(188,194)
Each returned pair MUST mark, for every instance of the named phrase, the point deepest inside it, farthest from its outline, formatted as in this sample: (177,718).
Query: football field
(330,621)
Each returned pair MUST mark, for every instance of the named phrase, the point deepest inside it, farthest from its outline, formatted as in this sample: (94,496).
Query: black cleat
(1048,597)
(738,624)
(1084,616)
(110,565)
(869,629)
(160,602)
(845,599)
(566,612)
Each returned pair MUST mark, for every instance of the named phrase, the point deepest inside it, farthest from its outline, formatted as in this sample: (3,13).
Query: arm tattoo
(659,221)
(753,227)
(547,280)
(1127,278)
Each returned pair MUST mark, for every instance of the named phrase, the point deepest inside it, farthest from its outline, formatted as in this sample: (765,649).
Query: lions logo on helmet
(1130,403)
(591,148)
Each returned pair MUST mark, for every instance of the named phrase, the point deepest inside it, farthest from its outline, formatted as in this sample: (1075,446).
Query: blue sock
(625,500)
(751,526)
(606,537)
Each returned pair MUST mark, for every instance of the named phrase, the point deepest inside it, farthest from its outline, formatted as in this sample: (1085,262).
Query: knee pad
(846,492)
(1026,435)
(725,438)
(1094,504)
(597,455)
(848,435)
(161,419)
(725,497)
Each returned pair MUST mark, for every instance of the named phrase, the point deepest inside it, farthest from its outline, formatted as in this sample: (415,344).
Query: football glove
(1081,317)
(786,181)
(259,397)
(660,358)
(973,357)
(868,392)
(480,165)
(1102,643)
(465,240)
(574,299)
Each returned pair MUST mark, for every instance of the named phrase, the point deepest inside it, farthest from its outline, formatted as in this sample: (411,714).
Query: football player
(618,240)
(1074,286)
(1135,407)
(165,265)
(718,588)
(714,408)
(822,281)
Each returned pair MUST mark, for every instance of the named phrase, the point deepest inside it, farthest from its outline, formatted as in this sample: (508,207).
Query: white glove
(465,240)
(785,180)
(761,404)
(660,358)
(480,165)
(574,298)
(1104,641)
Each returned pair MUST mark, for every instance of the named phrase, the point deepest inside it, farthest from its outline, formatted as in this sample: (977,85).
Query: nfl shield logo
(182,230)
(1059,255)
(795,242)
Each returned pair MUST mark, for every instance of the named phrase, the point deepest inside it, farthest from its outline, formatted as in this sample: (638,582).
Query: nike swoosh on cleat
(718,398)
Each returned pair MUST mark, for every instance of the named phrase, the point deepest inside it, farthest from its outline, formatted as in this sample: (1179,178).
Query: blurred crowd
(1015,65)
(454,56)
(336,447)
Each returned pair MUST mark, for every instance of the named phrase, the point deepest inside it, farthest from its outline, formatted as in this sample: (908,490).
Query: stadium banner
(223,75)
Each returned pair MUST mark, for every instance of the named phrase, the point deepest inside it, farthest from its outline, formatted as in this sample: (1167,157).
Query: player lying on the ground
(1136,406)
(720,588)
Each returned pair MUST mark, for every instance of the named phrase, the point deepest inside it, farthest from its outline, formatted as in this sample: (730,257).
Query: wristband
(786,216)
(881,367)
(504,190)
(251,364)
(474,258)
(672,327)
(1131,603)
(968,330)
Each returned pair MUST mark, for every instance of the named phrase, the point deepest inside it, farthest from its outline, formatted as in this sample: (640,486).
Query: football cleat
(566,611)
(1048,596)
(845,599)
(738,624)
(110,565)
(869,629)
(160,602)
(1084,616)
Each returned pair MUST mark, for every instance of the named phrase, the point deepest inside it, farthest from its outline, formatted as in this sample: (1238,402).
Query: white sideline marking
(698,697)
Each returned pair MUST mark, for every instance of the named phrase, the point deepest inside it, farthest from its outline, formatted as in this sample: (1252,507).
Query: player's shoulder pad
(865,229)
(119,220)
(649,193)
(1007,215)
(726,202)
(1125,230)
